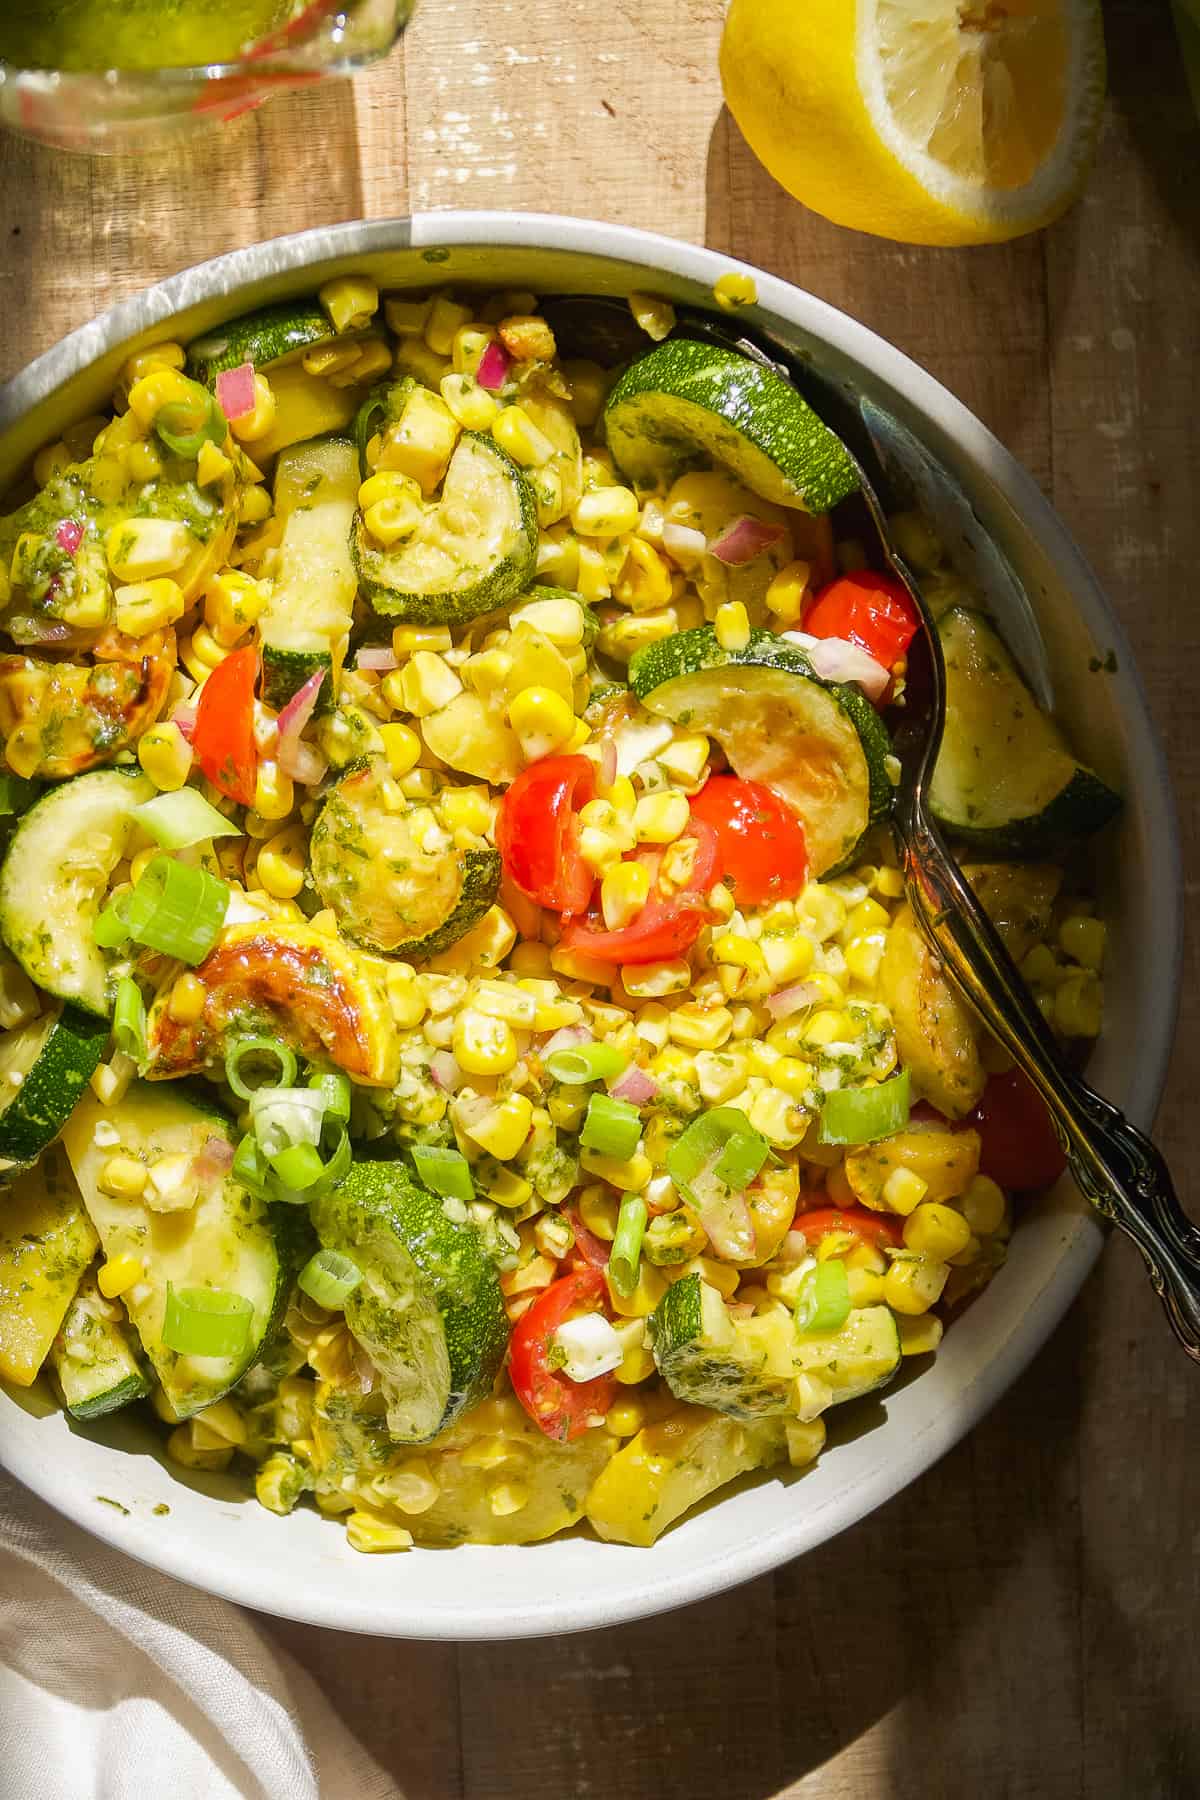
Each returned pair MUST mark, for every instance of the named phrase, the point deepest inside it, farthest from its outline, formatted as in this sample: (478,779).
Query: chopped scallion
(445,1172)
(612,1127)
(329,1278)
(182,818)
(175,908)
(206,1322)
(823,1303)
(862,1115)
(626,1255)
(586,1062)
(336,1089)
(129,1020)
(244,1049)
(720,1143)
(298,1166)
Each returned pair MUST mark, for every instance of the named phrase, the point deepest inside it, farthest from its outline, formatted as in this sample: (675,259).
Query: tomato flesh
(1019,1147)
(560,1407)
(867,1227)
(760,840)
(868,609)
(223,738)
(537,832)
(668,924)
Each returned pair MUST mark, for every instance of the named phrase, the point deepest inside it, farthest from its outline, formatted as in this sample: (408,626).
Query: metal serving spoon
(1116,1167)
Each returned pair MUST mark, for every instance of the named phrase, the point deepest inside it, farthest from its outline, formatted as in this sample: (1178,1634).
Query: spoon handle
(1114,1164)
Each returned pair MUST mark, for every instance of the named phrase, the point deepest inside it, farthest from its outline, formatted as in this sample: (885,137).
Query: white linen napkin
(117,1683)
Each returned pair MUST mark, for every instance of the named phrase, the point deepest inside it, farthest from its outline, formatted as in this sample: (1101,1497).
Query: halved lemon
(926,121)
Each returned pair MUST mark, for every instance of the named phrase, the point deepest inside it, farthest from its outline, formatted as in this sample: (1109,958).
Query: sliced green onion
(110,930)
(329,1277)
(16,793)
(626,1254)
(242,1049)
(861,1115)
(250,1168)
(206,1322)
(612,1127)
(823,1303)
(586,1062)
(185,817)
(298,1166)
(338,1166)
(336,1090)
(175,908)
(129,1020)
(721,1143)
(185,426)
(741,1159)
(284,1116)
(444,1172)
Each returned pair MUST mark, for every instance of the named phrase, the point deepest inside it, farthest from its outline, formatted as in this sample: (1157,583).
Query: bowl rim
(490,231)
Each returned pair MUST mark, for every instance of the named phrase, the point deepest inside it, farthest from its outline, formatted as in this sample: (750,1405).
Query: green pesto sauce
(134,34)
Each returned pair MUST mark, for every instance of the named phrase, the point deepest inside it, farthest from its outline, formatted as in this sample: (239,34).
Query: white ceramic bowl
(214,1535)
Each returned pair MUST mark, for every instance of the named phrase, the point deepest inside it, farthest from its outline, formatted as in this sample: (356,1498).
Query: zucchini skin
(48,1095)
(263,338)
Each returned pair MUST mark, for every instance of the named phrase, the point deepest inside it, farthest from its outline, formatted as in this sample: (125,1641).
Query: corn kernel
(1083,940)
(866,1287)
(371,1533)
(624,890)
(504,1127)
(123,1178)
(232,604)
(141,549)
(686,757)
(254,506)
(788,592)
(446,319)
(428,684)
(160,386)
(661,818)
(50,462)
(509,1190)
(651,981)
(652,1285)
(655,315)
(505,1000)
(280,866)
(904,1190)
(552,1008)
(932,1229)
(401,746)
(256,423)
(699,1027)
(912,1286)
(274,795)
(542,721)
(864,955)
(606,512)
(188,999)
(165,756)
(644,583)
(889,882)
(182,1449)
(983,1206)
(598,1210)
(1078,1006)
(405,996)
(732,626)
(117,1276)
(422,440)
(473,406)
(625,1418)
(351,302)
(630,1174)
(734,289)
(516,433)
(484,1046)
(406,318)
(919,1334)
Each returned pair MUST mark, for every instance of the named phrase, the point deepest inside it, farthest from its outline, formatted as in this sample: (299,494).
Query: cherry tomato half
(870,610)
(668,924)
(760,840)
(223,738)
(537,832)
(560,1407)
(867,1227)
(1019,1147)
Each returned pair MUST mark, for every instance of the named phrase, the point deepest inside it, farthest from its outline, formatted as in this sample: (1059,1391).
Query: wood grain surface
(1020,1623)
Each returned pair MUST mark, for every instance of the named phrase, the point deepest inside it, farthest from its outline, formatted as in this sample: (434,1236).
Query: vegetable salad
(468,1062)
